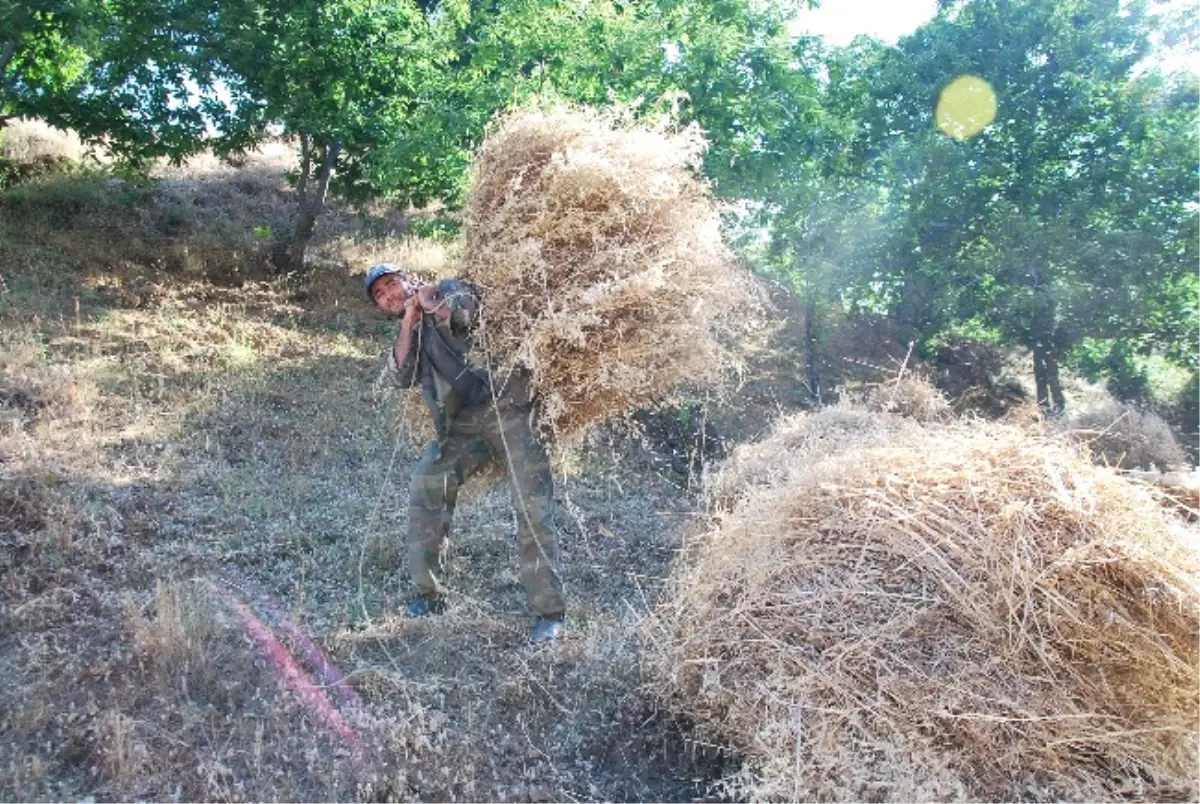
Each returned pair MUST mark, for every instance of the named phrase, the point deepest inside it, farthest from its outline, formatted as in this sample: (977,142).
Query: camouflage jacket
(439,358)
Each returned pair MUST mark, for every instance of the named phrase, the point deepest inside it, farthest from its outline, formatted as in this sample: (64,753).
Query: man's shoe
(546,629)
(424,605)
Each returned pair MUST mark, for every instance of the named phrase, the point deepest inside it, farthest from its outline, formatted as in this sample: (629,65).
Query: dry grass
(196,421)
(909,396)
(601,258)
(175,634)
(1126,436)
(425,257)
(30,396)
(800,440)
(1184,487)
(938,612)
(189,426)
(1178,492)
(34,146)
(208,218)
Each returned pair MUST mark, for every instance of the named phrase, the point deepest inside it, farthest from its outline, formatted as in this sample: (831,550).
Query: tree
(45,47)
(1039,228)
(344,77)
(818,212)
(389,98)
(725,64)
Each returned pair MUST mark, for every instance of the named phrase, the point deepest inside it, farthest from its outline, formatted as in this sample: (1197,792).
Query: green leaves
(1065,218)
(45,48)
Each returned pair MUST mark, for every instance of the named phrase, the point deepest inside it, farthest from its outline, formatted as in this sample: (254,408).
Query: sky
(839,21)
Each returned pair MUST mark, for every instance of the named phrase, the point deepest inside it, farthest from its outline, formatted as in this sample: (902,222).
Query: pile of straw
(936,612)
(599,253)
(913,397)
(1126,436)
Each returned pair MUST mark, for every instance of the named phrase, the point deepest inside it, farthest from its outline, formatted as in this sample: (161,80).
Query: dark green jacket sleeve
(407,373)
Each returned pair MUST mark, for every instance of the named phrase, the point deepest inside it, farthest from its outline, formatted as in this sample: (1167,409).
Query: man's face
(390,292)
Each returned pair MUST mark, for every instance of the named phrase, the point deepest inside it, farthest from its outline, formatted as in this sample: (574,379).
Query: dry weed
(22,509)
(173,637)
(912,397)
(946,612)
(1122,435)
(1179,491)
(51,394)
(30,142)
(123,756)
(1027,417)
(425,257)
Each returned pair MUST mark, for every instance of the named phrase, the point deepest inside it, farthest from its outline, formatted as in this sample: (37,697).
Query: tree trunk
(1045,346)
(305,168)
(1057,402)
(1039,376)
(1045,364)
(311,205)
(810,348)
(6,55)
(1045,375)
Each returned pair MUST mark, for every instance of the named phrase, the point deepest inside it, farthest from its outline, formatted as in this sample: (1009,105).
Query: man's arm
(404,353)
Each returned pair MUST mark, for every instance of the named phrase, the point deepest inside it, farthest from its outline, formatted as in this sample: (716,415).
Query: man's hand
(412,317)
(428,294)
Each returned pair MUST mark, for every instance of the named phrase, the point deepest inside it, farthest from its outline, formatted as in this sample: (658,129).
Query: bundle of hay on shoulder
(599,253)
(945,612)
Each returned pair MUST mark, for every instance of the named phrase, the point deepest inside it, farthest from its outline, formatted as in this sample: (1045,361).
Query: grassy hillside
(178,428)
(197,457)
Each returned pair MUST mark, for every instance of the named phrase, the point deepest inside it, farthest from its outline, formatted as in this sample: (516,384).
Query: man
(477,422)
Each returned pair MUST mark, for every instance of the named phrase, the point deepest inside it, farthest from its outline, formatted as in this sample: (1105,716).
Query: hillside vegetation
(203,473)
(189,431)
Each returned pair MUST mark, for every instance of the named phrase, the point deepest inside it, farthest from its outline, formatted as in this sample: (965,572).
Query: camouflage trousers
(478,435)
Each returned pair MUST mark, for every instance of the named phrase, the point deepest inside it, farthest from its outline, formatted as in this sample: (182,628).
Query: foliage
(439,228)
(389,99)
(1072,215)
(45,48)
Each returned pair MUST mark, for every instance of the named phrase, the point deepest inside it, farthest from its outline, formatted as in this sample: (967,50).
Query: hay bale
(1178,492)
(796,442)
(947,612)
(600,255)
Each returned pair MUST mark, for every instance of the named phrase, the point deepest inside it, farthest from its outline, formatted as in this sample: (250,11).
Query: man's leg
(513,442)
(432,495)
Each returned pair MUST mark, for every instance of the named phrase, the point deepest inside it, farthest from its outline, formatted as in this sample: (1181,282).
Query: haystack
(938,612)
(599,252)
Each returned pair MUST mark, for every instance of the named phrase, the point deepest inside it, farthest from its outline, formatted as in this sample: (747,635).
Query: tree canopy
(1063,220)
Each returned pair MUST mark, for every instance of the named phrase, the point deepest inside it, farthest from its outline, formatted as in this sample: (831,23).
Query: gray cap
(380,270)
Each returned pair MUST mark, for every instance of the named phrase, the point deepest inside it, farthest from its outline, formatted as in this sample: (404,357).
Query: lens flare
(298,681)
(966,107)
(296,677)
